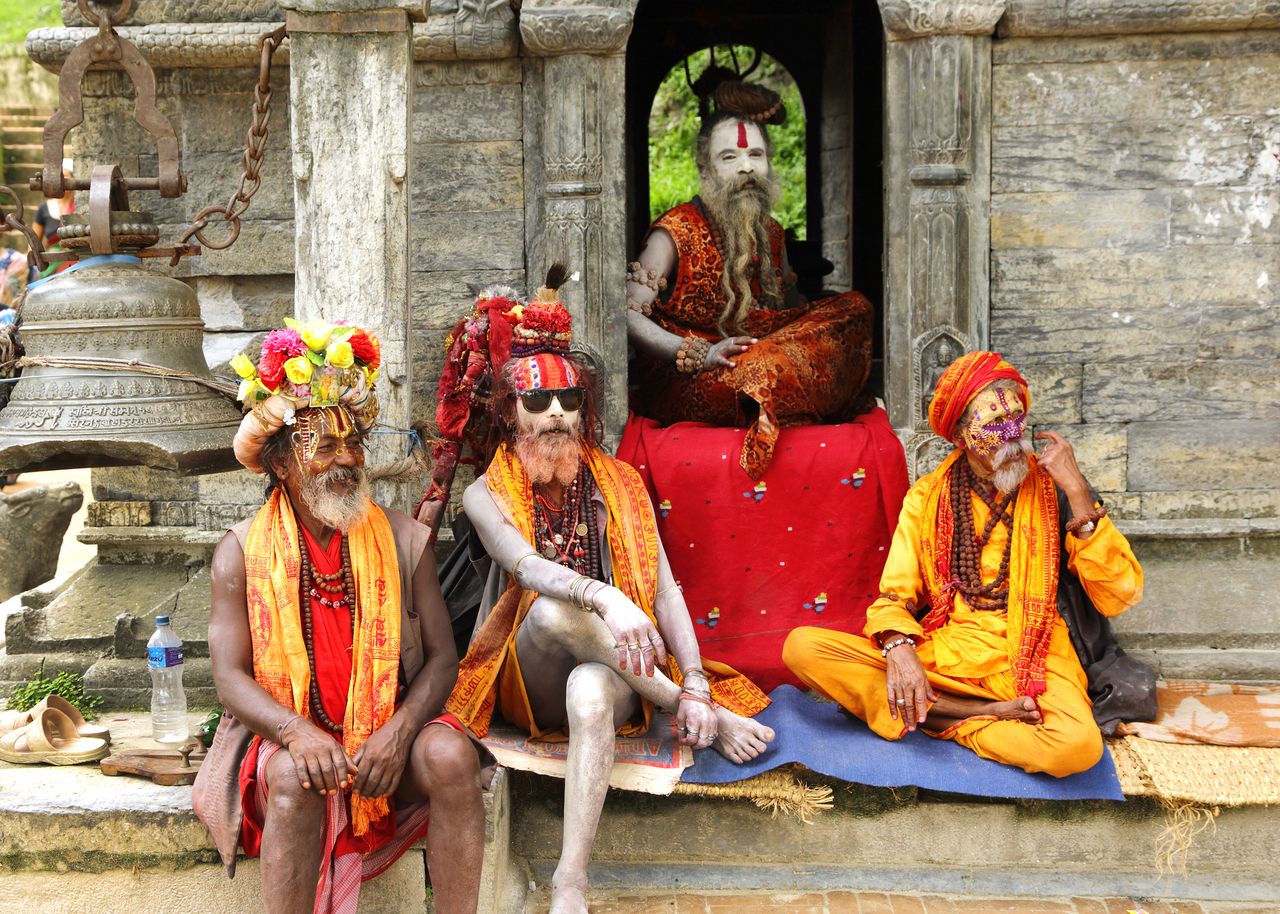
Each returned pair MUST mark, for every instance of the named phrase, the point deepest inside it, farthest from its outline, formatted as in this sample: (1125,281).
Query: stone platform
(71,837)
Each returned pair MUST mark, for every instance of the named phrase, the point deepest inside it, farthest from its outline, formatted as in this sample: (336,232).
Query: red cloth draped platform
(804,546)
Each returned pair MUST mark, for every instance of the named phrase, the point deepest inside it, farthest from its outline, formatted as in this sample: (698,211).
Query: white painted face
(731,161)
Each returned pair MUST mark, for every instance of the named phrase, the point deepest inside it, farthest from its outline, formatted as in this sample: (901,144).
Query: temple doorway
(826,58)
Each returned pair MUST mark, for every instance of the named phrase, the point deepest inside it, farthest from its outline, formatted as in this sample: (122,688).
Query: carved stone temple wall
(1088,186)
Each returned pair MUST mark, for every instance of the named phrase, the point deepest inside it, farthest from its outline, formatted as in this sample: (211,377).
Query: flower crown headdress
(313,359)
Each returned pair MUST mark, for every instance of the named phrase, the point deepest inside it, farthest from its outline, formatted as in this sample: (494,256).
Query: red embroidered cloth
(804,546)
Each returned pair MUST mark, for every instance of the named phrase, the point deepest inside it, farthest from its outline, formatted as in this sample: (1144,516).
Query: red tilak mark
(742,135)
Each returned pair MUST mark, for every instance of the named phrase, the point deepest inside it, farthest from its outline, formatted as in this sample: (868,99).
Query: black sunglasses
(539,401)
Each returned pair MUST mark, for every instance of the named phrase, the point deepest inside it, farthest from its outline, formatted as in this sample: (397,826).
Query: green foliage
(17,17)
(65,685)
(673,136)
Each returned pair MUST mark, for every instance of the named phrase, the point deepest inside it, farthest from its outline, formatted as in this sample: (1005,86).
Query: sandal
(58,703)
(51,738)
(13,720)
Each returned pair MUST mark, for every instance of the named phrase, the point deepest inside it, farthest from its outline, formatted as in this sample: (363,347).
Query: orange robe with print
(489,676)
(975,653)
(809,366)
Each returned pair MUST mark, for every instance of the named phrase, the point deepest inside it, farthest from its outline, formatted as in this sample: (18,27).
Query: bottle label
(158,658)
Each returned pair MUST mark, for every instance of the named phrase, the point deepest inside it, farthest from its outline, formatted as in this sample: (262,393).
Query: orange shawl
(633,550)
(272,568)
(1033,568)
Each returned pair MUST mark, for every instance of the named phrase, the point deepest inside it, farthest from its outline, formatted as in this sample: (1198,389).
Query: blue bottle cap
(162,620)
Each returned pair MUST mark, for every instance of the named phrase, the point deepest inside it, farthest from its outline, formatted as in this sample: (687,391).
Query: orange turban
(963,380)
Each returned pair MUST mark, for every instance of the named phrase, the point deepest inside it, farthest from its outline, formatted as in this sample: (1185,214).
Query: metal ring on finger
(633,646)
(900,701)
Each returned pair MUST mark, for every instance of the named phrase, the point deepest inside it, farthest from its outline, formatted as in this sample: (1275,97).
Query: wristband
(897,642)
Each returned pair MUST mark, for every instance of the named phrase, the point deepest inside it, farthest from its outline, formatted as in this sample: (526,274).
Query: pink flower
(286,342)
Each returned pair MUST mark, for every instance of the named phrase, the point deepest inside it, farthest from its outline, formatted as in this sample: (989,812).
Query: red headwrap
(963,380)
(544,371)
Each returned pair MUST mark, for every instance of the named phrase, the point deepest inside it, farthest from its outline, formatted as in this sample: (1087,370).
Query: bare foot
(568,894)
(1023,709)
(740,739)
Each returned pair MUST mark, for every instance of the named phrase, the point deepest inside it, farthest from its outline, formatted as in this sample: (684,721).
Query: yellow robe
(969,655)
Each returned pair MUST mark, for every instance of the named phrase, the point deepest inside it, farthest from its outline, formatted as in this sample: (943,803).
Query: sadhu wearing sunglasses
(591,631)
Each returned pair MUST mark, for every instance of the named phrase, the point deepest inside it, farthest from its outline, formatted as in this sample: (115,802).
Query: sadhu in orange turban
(963,380)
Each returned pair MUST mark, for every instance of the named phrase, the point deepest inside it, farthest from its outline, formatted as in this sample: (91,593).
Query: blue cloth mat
(816,735)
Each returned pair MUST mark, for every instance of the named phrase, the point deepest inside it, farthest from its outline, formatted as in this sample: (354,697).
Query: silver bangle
(515,569)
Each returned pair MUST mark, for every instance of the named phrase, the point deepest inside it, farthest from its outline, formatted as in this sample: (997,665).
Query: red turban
(963,380)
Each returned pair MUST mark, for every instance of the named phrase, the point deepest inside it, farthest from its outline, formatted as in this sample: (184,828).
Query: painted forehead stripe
(742,135)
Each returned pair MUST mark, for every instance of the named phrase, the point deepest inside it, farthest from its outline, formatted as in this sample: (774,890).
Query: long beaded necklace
(967,544)
(568,534)
(341,588)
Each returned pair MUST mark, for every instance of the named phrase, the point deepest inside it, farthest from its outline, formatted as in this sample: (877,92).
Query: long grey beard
(342,512)
(1011,465)
(548,457)
(742,216)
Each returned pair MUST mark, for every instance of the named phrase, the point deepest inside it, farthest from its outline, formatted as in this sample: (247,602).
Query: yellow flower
(246,388)
(243,366)
(370,377)
(298,369)
(314,333)
(340,354)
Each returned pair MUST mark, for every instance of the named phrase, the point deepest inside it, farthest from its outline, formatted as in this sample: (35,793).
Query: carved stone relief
(904,19)
(146,12)
(932,353)
(577,29)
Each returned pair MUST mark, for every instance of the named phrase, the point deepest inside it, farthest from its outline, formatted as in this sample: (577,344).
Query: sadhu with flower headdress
(995,552)
(590,632)
(332,652)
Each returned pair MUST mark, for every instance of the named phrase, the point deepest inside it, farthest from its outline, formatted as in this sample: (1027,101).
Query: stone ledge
(1200,528)
(1048,18)
(71,836)
(149,536)
(187,45)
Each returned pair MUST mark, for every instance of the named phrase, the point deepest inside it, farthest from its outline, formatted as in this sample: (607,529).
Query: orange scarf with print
(1033,568)
(272,568)
(633,551)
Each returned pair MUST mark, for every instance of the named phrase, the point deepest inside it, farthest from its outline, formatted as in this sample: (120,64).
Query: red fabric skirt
(804,546)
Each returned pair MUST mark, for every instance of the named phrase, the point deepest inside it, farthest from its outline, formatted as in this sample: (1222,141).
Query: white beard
(1011,466)
(341,512)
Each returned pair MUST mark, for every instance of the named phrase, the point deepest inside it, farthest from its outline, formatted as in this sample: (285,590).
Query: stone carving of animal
(32,525)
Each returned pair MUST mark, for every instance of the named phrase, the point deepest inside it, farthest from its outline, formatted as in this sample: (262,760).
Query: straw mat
(1208,775)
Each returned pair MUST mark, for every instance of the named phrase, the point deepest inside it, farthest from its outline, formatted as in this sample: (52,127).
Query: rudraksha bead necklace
(967,544)
(312,583)
(568,535)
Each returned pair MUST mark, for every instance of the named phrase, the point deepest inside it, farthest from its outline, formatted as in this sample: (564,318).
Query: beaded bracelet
(642,276)
(1088,520)
(897,642)
(641,307)
(691,357)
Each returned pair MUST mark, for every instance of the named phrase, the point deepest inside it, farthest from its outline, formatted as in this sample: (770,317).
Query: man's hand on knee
(318,759)
(381,761)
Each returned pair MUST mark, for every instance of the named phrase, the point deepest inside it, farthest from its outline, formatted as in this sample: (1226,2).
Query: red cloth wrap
(963,380)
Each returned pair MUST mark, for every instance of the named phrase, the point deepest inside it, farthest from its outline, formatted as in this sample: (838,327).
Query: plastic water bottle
(168,701)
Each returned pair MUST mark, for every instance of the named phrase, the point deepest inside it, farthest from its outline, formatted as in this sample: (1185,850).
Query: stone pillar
(938,194)
(575,172)
(350,79)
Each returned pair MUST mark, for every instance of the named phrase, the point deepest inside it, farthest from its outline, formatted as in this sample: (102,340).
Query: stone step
(21,134)
(902,841)
(72,837)
(24,155)
(766,902)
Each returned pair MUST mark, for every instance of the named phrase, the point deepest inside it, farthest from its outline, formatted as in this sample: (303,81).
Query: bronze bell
(112,308)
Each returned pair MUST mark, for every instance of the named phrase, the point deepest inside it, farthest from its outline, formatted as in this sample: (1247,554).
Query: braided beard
(741,213)
(340,511)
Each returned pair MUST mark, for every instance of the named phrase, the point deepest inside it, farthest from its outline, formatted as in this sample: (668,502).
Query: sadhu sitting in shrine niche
(968,639)
(732,343)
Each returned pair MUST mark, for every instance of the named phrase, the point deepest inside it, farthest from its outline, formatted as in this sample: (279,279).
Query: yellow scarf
(1033,567)
(272,567)
(633,552)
